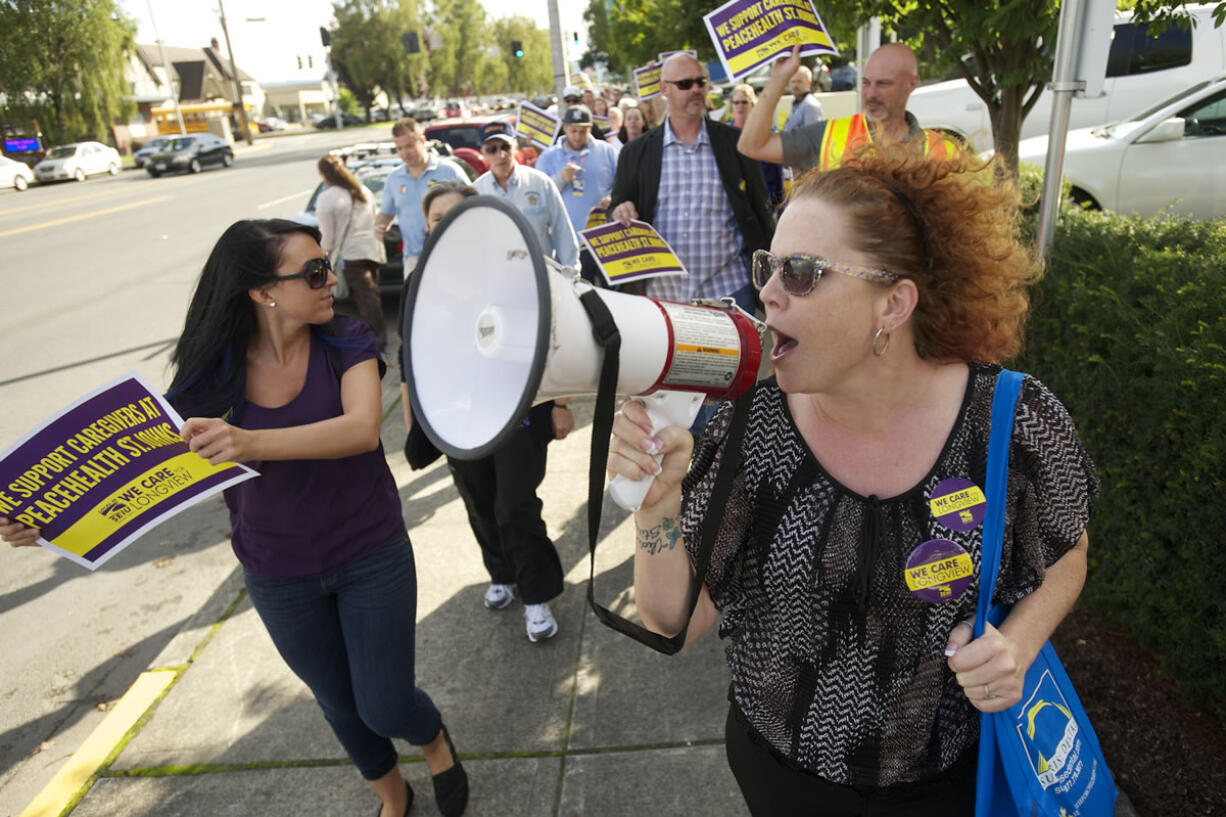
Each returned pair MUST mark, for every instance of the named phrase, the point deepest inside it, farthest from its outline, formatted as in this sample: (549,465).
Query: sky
(270,35)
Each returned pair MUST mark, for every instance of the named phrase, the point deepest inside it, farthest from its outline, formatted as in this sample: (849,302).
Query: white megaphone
(494,327)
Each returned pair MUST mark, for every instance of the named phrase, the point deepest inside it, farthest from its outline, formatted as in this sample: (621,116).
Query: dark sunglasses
(687,84)
(490,148)
(800,273)
(315,272)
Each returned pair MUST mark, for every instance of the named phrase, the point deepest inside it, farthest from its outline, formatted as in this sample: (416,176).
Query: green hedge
(1128,329)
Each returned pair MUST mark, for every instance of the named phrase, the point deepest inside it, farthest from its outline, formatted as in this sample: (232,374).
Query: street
(97,278)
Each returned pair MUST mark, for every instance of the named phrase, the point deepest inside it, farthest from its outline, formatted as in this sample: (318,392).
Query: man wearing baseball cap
(581,166)
(515,544)
(529,190)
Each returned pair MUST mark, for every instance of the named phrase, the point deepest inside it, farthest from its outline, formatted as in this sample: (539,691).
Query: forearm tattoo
(663,536)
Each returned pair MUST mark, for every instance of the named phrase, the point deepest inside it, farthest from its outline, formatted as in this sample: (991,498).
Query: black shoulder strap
(605,331)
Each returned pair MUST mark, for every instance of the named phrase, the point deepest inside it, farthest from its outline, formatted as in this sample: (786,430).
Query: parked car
(191,153)
(15,174)
(151,147)
(1172,155)
(270,123)
(1141,68)
(76,161)
(347,120)
(843,77)
(372,174)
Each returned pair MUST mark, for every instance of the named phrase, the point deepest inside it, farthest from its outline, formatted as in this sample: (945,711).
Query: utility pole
(561,72)
(238,86)
(174,95)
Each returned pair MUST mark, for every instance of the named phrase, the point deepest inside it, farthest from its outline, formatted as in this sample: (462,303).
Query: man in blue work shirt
(581,166)
(406,185)
(529,190)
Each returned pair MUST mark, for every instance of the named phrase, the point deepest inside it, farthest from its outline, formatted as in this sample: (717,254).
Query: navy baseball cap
(577,115)
(497,130)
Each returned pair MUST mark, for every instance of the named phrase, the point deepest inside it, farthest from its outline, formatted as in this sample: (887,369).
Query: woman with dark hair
(634,123)
(346,210)
(894,287)
(266,374)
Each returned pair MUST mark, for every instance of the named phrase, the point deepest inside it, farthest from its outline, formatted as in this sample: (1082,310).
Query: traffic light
(517,48)
(412,43)
(324,37)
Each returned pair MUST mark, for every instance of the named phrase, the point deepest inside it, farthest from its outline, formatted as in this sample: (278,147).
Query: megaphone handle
(664,408)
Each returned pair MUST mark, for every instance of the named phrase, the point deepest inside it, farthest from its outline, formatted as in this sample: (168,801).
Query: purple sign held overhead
(750,33)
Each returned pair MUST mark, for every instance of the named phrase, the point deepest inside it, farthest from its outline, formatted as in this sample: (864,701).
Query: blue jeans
(349,636)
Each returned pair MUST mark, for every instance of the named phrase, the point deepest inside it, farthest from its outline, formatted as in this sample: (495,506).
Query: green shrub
(1128,328)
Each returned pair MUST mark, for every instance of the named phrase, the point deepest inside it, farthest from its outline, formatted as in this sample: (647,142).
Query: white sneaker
(539,622)
(498,596)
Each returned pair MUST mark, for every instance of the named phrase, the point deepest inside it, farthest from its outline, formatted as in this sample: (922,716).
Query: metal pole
(1063,86)
(174,95)
(336,92)
(560,70)
(238,86)
(868,40)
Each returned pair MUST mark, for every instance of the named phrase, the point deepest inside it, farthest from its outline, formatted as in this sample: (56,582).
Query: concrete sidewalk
(588,723)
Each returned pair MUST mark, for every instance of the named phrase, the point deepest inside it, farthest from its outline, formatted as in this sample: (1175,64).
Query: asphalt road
(97,276)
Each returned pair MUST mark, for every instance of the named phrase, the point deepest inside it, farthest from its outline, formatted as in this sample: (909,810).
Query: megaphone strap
(604,330)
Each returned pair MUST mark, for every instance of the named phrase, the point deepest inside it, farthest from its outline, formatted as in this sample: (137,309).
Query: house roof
(150,55)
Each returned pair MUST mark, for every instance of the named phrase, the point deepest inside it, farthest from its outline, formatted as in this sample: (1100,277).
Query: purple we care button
(958,504)
(939,571)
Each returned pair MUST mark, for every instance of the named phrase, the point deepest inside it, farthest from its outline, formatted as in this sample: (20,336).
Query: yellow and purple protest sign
(596,217)
(536,126)
(750,33)
(631,253)
(647,81)
(104,470)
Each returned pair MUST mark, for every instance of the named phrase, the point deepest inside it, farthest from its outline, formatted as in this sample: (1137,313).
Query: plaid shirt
(694,216)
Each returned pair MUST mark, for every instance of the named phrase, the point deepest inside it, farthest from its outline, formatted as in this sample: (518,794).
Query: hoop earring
(273,305)
(876,338)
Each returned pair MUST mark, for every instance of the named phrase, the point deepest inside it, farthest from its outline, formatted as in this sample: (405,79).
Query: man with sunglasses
(405,186)
(529,190)
(687,180)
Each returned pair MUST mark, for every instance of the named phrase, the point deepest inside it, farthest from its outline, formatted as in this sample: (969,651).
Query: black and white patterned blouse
(834,661)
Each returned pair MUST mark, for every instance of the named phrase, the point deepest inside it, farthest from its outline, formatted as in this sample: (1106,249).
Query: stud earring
(272,304)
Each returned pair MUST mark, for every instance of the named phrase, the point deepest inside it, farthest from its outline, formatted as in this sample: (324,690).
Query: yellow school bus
(196,116)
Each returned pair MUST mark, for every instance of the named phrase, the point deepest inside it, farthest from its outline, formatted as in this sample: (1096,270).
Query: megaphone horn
(494,327)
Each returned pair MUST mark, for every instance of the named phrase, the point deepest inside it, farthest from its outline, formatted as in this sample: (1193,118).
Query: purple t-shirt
(308,517)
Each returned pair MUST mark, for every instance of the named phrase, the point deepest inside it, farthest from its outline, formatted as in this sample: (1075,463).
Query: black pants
(773,788)
(362,276)
(499,494)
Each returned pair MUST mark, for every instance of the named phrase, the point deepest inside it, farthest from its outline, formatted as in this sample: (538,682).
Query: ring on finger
(987,692)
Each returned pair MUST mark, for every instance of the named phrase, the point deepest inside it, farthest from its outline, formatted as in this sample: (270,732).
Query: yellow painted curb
(77,771)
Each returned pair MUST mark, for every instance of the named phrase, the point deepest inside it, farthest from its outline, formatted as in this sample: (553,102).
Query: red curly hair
(951,226)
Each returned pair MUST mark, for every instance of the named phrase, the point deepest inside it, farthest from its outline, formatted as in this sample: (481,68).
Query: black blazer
(638,180)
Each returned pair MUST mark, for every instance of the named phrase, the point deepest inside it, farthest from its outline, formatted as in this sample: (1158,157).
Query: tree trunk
(1007,124)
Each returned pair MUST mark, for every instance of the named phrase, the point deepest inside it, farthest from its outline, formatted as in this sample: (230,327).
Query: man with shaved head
(687,180)
(888,78)
(806,110)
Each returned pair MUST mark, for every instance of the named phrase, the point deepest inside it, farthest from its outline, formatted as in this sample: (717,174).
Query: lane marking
(79,768)
(82,216)
(56,202)
(283,199)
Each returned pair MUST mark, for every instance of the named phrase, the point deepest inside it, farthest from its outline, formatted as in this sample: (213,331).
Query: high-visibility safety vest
(844,135)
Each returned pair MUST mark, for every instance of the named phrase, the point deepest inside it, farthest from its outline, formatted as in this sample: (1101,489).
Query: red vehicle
(465,132)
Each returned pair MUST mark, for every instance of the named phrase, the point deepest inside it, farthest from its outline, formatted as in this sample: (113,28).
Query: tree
(533,72)
(457,64)
(62,61)
(1009,44)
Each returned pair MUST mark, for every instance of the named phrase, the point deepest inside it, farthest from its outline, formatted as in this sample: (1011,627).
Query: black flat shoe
(451,786)
(408,803)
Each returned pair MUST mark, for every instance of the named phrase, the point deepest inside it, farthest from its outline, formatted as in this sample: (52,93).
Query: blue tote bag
(1040,756)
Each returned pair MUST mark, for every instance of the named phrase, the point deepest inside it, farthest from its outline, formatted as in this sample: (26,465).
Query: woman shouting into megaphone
(894,286)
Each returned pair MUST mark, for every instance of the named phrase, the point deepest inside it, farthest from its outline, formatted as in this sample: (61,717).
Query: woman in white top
(346,211)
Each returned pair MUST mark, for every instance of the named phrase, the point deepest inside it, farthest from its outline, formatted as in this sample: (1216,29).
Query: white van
(1142,70)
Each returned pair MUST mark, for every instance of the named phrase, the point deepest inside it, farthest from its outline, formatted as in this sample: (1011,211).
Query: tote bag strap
(1004,404)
